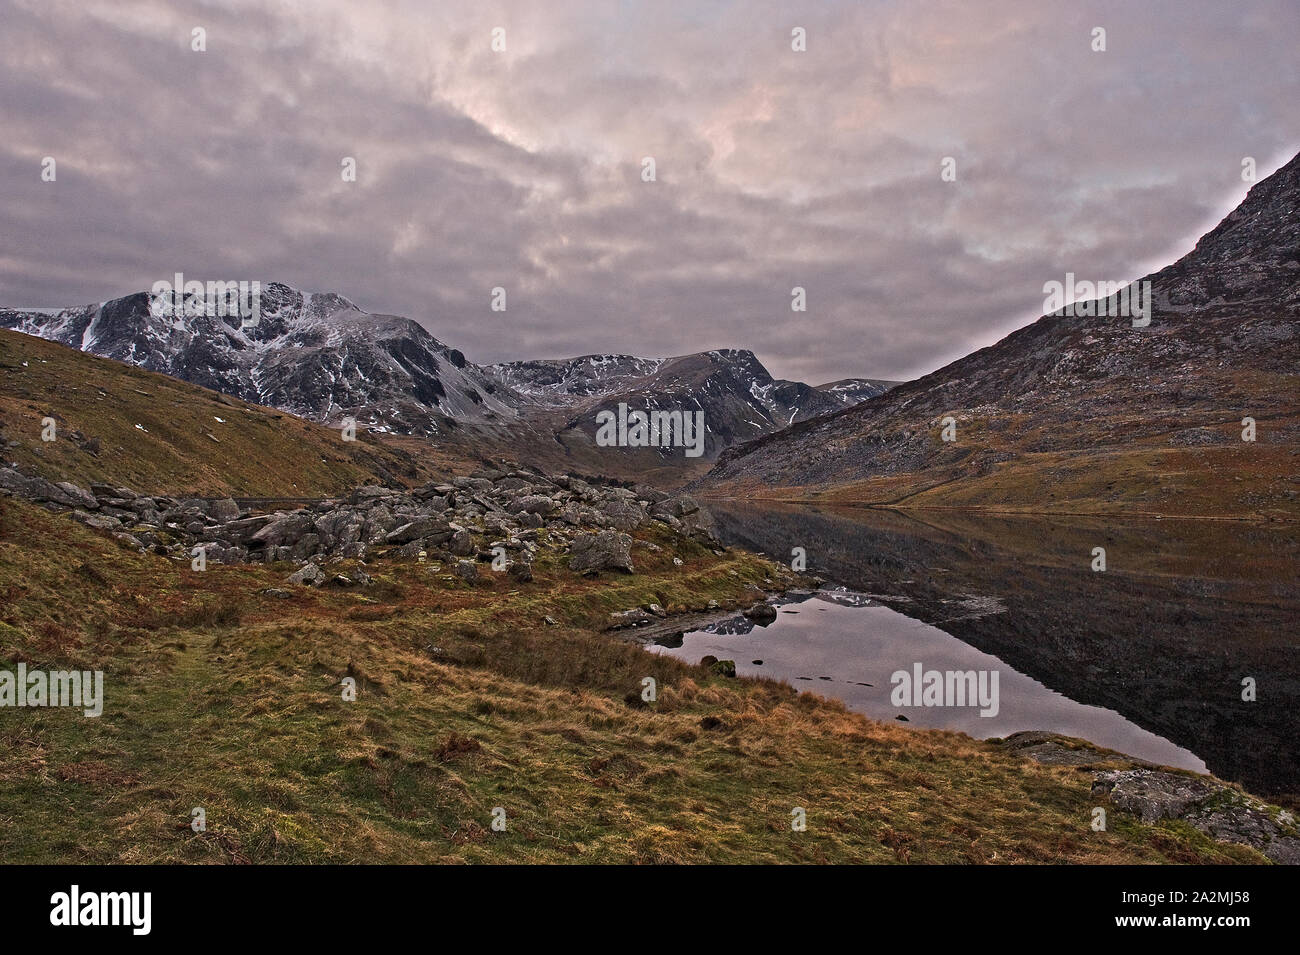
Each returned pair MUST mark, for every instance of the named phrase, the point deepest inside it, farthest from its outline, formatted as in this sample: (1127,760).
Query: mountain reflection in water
(1185,611)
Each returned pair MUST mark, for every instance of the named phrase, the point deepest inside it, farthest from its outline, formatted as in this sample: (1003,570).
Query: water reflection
(1185,611)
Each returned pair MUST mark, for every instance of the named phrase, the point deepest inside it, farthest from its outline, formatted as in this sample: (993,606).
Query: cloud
(522,168)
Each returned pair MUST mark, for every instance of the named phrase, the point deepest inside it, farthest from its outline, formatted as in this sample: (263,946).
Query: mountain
(314,355)
(738,396)
(854,391)
(319,356)
(1089,412)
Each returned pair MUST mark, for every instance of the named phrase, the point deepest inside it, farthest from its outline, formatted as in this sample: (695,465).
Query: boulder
(284,530)
(369,493)
(224,510)
(101,521)
(624,514)
(34,488)
(240,531)
(109,491)
(677,507)
(462,543)
(535,504)
(723,668)
(438,530)
(309,576)
(306,546)
(79,496)
(1219,810)
(605,550)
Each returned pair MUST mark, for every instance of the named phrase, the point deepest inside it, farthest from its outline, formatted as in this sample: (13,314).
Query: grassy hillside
(1241,482)
(223,697)
(120,424)
(195,441)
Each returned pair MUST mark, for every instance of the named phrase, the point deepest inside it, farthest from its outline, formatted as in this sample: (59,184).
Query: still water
(1149,657)
(851,650)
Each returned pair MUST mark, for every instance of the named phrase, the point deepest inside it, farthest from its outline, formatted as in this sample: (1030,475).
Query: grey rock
(431,527)
(1219,810)
(535,504)
(309,575)
(462,543)
(102,522)
(240,531)
(284,531)
(624,514)
(80,497)
(224,510)
(606,550)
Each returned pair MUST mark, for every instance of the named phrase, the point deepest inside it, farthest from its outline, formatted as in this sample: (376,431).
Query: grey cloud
(522,169)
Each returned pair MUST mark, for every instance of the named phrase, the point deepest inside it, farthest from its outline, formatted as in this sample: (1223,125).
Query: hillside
(1090,414)
(223,693)
(120,424)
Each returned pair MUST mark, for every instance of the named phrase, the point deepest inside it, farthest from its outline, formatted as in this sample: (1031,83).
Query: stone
(101,522)
(309,576)
(624,514)
(461,544)
(535,504)
(240,531)
(435,529)
(605,550)
(725,668)
(224,510)
(80,497)
(284,530)
(1221,811)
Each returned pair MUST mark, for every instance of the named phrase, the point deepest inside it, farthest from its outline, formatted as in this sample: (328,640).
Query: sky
(522,168)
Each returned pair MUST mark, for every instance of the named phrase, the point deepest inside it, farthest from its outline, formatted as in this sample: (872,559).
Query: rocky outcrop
(467,519)
(1221,811)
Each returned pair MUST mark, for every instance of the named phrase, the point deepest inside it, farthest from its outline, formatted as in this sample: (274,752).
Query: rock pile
(456,522)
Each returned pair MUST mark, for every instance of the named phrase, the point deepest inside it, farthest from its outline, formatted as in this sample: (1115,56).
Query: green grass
(227,699)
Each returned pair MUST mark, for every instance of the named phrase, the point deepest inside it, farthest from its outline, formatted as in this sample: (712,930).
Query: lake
(1151,657)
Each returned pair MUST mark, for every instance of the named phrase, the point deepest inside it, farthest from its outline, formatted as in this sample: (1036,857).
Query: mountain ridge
(1221,345)
(321,357)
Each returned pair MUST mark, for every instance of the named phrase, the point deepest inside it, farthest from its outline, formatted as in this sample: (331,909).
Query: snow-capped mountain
(563,382)
(311,354)
(739,397)
(319,356)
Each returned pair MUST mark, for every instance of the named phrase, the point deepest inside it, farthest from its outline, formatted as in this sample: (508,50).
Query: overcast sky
(523,168)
